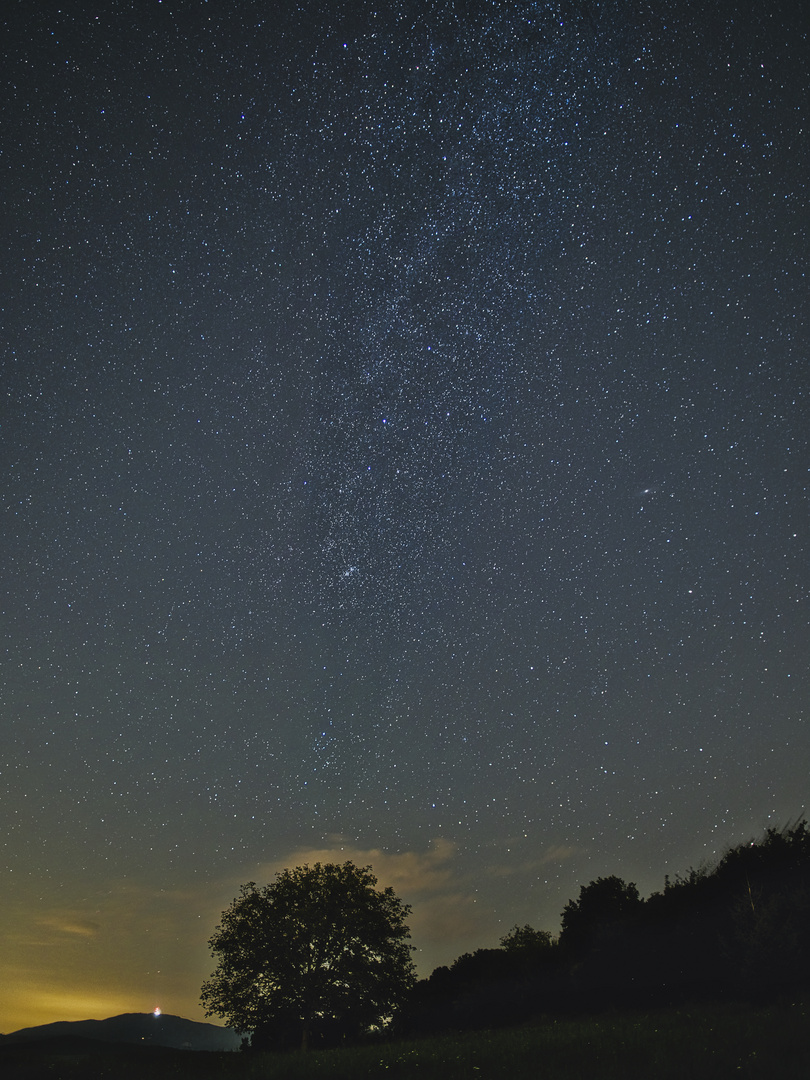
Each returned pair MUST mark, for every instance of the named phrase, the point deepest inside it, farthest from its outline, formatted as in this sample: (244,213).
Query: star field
(405,442)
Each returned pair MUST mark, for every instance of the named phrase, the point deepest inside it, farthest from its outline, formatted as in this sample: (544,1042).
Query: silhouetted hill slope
(140,1028)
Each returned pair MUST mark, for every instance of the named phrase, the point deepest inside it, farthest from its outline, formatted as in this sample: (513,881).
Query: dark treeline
(738,931)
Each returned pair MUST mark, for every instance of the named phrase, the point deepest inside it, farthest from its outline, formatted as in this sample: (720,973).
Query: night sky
(404,459)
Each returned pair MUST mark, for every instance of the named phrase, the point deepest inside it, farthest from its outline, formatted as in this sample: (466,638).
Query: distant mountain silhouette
(140,1028)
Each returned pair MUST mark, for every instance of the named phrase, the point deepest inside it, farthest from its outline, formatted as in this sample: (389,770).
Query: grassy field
(711,1042)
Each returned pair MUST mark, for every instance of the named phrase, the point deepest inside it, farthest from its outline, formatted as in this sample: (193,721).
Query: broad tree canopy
(321,952)
(603,908)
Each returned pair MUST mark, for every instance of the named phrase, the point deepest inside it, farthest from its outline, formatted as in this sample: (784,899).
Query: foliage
(735,930)
(488,987)
(320,954)
(741,928)
(782,858)
(767,938)
(766,943)
(603,908)
(526,940)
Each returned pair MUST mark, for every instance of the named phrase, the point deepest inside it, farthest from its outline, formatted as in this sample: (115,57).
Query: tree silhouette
(318,955)
(527,941)
(603,909)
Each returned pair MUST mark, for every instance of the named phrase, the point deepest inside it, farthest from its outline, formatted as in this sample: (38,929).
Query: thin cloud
(408,872)
(69,924)
(558,853)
